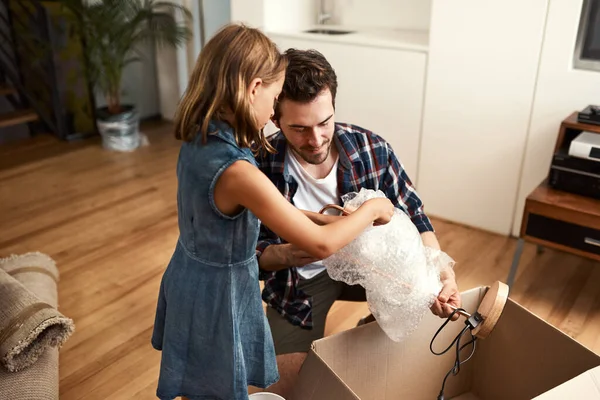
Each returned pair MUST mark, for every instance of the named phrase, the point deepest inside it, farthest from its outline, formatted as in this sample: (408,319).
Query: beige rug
(31,328)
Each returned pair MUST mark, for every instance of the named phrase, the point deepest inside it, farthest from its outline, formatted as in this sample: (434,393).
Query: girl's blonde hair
(219,83)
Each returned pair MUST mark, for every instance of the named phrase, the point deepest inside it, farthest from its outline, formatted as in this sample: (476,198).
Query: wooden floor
(110,222)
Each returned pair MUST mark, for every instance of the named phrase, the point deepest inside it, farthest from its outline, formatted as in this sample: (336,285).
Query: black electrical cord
(470,324)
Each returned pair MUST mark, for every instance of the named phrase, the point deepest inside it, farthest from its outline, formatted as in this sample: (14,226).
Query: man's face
(308,127)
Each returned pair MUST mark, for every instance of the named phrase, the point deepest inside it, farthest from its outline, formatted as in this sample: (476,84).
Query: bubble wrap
(400,275)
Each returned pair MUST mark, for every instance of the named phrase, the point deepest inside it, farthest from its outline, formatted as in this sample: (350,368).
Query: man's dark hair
(307,75)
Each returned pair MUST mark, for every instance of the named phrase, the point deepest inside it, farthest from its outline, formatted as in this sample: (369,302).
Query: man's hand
(294,257)
(321,219)
(448,295)
(281,256)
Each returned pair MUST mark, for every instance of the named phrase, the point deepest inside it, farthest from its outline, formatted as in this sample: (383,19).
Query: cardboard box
(522,358)
(585,386)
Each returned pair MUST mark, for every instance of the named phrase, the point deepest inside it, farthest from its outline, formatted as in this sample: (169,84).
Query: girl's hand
(384,210)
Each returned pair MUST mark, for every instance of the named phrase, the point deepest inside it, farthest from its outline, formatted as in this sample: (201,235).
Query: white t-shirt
(312,195)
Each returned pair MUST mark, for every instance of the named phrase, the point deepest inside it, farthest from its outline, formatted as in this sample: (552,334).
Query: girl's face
(263,97)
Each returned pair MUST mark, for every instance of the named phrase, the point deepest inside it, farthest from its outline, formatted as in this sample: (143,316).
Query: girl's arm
(244,184)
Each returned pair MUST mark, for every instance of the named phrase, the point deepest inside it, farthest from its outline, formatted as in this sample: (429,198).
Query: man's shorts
(325,291)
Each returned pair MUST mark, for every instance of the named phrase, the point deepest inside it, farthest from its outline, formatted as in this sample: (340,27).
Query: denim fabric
(210,324)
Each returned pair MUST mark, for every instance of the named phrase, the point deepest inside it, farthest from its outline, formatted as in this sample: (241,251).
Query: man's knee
(290,363)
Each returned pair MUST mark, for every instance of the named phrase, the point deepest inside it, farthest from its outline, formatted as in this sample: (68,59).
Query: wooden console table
(558,219)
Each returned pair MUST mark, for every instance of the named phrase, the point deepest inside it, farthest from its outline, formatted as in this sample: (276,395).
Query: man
(317,161)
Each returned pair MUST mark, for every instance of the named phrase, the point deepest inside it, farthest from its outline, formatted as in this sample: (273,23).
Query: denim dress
(210,324)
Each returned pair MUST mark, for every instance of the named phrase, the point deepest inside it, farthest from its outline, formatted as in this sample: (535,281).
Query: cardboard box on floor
(522,358)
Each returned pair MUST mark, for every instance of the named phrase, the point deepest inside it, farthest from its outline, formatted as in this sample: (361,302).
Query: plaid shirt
(366,161)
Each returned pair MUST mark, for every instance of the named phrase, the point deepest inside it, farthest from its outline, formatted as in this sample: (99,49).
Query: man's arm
(281,256)
(430,240)
(449,293)
(399,189)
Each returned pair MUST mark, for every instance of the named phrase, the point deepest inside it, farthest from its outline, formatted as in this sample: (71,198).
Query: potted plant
(111,31)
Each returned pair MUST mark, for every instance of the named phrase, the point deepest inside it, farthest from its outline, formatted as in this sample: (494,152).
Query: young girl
(210,324)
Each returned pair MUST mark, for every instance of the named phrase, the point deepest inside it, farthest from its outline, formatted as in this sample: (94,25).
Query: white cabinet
(380,89)
(483,62)
(274,14)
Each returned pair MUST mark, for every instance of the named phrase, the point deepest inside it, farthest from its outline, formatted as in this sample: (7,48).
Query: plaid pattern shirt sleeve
(397,187)
(371,164)
(266,238)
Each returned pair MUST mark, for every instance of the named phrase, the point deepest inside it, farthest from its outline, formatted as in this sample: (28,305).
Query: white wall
(168,78)
(174,66)
(560,91)
(401,14)
(217,13)
(483,62)
(250,12)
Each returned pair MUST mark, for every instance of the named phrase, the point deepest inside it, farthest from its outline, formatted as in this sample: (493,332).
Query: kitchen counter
(373,37)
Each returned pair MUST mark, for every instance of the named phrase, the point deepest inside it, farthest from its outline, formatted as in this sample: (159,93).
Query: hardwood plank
(110,222)
(574,322)
(97,383)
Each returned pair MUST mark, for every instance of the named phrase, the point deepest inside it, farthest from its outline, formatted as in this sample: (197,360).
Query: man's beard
(314,159)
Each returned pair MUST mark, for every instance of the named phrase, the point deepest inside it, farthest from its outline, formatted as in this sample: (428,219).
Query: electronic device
(575,174)
(590,115)
(586,145)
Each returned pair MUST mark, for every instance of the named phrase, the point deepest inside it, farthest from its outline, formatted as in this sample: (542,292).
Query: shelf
(569,201)
(571,123)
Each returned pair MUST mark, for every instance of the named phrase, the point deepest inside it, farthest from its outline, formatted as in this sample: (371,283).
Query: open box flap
(583,386)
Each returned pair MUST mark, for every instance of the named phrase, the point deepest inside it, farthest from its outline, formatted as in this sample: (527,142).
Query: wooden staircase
(18,116)
(29,92)
(6,90)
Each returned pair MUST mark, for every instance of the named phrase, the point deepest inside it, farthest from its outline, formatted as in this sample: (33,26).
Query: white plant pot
(120,132)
